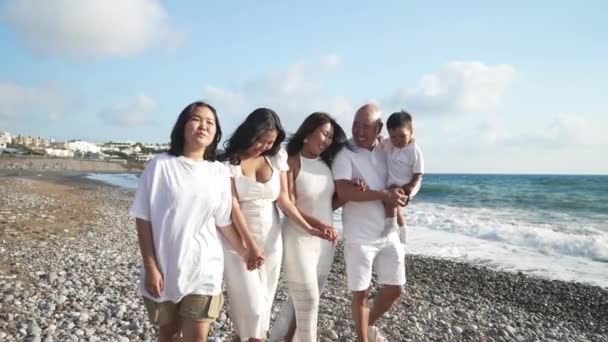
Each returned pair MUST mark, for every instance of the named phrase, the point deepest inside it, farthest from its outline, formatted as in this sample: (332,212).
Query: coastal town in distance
(124,152)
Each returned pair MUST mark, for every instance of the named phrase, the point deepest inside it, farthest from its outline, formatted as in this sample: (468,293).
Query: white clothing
(402,163)
(363,221)
(307,259)
(251,293)
(387,258)
(365,242)
(185,201)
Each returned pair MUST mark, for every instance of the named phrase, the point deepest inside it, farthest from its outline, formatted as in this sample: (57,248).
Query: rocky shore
(63,164)
(69,265)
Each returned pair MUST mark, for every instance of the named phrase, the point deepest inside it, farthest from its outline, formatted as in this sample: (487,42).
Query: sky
(509,87)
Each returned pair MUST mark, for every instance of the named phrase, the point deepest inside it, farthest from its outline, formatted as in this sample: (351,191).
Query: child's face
(400,136)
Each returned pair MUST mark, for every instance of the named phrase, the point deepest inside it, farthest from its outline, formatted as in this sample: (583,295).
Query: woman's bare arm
(153,282)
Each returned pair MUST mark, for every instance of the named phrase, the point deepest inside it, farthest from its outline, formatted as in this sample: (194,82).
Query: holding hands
(325,231)
(253,256)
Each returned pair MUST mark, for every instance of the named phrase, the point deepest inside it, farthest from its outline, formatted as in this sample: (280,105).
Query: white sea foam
(515,228)
(506,257)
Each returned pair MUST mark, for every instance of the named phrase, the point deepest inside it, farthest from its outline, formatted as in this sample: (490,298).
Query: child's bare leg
(402,227)
(400,218)
(390,212)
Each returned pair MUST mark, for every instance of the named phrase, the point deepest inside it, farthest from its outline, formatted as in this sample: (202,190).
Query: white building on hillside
(118,144)
(6,138)
(82,146)
(143,158)
(157,147)
(131,150)
(22,140)
(105,148)
(56,152)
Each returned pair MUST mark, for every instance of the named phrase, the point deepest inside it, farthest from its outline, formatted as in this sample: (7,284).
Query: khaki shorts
(198,308)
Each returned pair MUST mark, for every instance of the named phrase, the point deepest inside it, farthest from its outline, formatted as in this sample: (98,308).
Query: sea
(552,226)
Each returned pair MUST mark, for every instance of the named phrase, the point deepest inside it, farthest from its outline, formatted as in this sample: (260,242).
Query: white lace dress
(251,293)
(307,259)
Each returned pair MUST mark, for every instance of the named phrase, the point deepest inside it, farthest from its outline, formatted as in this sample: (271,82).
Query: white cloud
(90,28)
(298,90)
(138,113)
(18,102)
(331,60)
(293,93)
(491,131)
(559,132)
(562,131)
(226,100)
(458,87)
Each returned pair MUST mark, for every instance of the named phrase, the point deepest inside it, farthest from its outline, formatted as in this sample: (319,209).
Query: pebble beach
(69,263)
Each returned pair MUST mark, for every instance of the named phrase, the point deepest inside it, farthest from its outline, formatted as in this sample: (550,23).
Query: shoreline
(82,282)
(45,163)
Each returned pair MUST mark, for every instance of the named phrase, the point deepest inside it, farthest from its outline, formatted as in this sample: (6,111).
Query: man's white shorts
(387,258)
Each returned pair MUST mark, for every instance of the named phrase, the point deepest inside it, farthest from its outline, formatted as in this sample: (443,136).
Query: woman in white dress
(258,169)
(308,258)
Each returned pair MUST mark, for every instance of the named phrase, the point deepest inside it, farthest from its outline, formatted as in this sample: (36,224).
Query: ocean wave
(516,228)
(579,195)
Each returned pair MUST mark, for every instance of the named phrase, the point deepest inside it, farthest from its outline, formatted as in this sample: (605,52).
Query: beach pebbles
(84,288)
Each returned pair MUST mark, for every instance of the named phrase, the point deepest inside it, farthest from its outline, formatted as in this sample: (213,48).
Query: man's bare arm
(347,191)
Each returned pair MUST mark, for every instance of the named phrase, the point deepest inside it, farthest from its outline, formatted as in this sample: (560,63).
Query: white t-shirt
(402,163)
(185,201)
(363,221)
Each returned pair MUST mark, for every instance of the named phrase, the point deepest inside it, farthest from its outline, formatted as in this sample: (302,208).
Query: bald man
(365,243)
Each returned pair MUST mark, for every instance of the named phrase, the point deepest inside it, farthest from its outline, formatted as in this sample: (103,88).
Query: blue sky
(513,87)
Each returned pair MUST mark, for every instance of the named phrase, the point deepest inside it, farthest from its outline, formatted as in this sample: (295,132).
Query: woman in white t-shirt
(308,257)
(182,205)
(258,168)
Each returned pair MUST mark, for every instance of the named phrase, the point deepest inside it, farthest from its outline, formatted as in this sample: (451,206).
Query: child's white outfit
(402,164)
(185,201)
(251,293)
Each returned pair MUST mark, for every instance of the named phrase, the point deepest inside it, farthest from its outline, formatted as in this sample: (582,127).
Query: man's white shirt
(363,222)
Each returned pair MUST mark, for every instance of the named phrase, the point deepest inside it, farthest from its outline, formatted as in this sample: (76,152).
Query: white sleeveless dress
(251,293)
(307,259)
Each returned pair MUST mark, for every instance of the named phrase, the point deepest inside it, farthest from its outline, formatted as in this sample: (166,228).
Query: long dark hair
(310,124)
(257,123)
(177,134)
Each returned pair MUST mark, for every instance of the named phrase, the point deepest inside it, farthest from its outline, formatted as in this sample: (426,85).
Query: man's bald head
(369,112)
(367,125)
